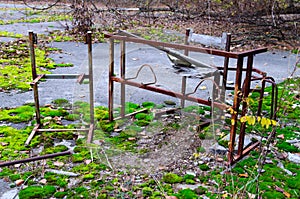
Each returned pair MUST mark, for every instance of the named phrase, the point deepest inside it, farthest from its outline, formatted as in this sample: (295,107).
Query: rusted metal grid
(80,77)
(36,77)
(241,89)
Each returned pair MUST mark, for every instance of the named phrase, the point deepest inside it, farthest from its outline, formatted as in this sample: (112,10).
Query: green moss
(142,122)
(148,105)
(37,192)
(190,181)
(172,178)
(188,176)
(17,115)
(77,158)
(187,194)
(204,167)
(106,125)
(272,194)
(201,190)
(201,149)
(55,149)
(60,194)
(63,65)
(131,107)
(13,142)
(287,147)
(15,177)
(109,188)
(294,182)
(170,103)
(147,191)
(88,176)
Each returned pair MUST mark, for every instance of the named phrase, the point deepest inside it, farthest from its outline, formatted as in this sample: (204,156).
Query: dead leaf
(171,197)
(244,175)
(287,194)
(123,189)
(281,136)
(19,182)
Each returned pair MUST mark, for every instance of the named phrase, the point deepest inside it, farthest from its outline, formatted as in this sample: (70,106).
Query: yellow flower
(243,119)
(251,120)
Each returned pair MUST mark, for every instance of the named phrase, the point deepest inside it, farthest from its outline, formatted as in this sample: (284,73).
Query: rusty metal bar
(245,91)
(61,130)
(91,86)
(37,79)
(34,130)
(110,79)
(65,76)
(122,74)
(244,152)
(42,157)
(225,66)
(167,92)
(32,41)
(235,107)
(189,48)
(172,45)
(90,133)
(184,78)
(131,114)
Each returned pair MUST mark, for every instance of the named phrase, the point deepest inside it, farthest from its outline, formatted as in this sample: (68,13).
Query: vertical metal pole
(245,91)
(186,52)
(32,40)
(122,71)
(110,81)
(226,63)
(91,85)
(236,104)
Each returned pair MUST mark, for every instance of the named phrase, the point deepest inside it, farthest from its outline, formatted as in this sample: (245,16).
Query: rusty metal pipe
(167,92)
(42,157)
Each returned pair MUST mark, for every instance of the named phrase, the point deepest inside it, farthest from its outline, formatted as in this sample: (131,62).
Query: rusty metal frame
(242,88)
(80,77)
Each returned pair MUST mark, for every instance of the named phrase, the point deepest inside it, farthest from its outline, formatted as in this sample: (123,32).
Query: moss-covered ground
(97,178)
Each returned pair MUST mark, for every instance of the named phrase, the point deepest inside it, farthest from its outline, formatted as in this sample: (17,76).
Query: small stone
(4,143)
(261,170)
(58,164)
(171,197)
(294,157)
(19,182)
(48,118)
(43,181)
(269,161)
(98,142)
(17,165)
(281,136)
(191,173)
(87,161)
(131,138)
(220,159)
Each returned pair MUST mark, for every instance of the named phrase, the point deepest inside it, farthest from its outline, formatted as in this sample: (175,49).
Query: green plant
(172,178)
(37,192)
